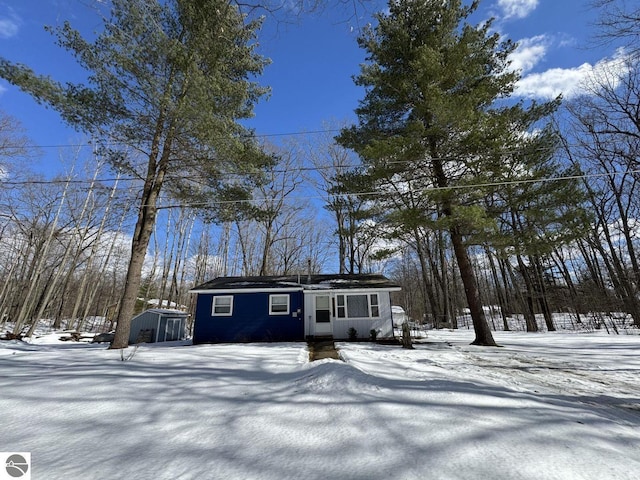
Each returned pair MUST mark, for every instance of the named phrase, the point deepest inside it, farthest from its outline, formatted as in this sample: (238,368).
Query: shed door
(172,330)
(323,315)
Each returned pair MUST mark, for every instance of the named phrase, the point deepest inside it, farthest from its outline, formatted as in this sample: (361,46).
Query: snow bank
(544,406)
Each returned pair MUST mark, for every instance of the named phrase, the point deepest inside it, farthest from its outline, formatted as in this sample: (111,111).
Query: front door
(323,315)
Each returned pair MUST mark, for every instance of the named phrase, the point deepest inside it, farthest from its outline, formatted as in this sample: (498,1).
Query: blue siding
(250,321)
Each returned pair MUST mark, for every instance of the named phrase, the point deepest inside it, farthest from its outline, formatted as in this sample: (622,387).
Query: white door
(322,315)
(172,330)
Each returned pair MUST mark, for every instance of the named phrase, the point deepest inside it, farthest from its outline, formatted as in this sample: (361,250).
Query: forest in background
(540,246)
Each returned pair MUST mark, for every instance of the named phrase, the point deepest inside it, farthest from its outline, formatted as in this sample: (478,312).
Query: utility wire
(501,183)
(256,135)
(422,190)
(506,152)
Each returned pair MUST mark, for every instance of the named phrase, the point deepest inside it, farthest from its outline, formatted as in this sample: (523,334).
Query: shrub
(353,334)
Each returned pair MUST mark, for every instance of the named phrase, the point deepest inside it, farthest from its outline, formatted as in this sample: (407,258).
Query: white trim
(213,306)
(272,296)
(322,328)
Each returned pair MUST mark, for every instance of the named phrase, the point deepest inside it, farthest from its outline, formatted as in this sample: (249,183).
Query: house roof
(299,282)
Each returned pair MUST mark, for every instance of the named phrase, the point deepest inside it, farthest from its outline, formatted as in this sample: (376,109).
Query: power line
(422,190)
(298,169)
(257,135)
(373,193)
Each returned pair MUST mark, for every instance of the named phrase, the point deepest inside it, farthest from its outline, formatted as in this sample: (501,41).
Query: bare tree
(274,205)
(13,144)
(333,166)
(605,142)
(619,22)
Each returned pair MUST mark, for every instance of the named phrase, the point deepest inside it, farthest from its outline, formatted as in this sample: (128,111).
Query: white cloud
(553,82)
(571,82)
(529,53)
(517,8)
(9,26)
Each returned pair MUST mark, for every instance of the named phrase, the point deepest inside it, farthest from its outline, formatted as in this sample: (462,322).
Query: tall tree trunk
(342,244)
(469,281)
(440,292)
(426,281)
(541,293)
(527,306)
(627,229)
(471,290)
(139,245)
(147,214)
(167,258)
(509,288)
(561,264)
(266,247)
(449,317)
(501,299)
(181,264)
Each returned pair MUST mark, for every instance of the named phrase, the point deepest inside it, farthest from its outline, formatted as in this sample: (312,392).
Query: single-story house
(292,308)
(158,325)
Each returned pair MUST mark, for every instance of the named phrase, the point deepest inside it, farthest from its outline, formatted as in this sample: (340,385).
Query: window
(278,304)
(222,306)
(375,310)
(357,306)
(341,307)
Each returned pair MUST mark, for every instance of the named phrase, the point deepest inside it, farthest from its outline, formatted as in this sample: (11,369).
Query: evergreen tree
(536,216)
(168,81)
(435,116)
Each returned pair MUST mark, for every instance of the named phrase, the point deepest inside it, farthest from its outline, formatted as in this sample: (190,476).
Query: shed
(158,325)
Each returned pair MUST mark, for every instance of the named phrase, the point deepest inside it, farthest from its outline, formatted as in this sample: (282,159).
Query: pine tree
(168,82)
(436,120)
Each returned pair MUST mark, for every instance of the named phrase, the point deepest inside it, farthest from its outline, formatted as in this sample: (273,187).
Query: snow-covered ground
(543,406)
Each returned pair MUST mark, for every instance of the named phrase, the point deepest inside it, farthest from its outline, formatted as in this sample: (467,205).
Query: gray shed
(158,325)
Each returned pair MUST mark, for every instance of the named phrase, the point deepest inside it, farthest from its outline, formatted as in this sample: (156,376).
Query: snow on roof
(305,282)
(168,311)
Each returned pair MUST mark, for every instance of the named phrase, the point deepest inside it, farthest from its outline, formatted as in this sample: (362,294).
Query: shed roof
(303,282)
(163,312)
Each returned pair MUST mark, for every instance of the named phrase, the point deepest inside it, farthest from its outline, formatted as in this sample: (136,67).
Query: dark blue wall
(250,321)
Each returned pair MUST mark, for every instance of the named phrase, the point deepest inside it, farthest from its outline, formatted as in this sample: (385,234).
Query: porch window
(373,301)
(278,304)
(357,306)
(222,306)
(341,306)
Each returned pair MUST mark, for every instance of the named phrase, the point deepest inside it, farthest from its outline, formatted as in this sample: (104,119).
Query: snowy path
(543,406)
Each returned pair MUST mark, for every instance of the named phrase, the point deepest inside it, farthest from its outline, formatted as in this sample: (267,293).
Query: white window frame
(215,302)
(271,304)
(342,310)
(374,307)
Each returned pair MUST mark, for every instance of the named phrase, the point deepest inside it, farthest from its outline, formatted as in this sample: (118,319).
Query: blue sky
(313,61)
